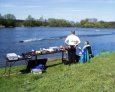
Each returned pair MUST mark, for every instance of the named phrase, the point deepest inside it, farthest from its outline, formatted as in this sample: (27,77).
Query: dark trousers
(72,54)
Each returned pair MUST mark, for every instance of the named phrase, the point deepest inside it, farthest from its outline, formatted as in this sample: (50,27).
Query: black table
(10,63)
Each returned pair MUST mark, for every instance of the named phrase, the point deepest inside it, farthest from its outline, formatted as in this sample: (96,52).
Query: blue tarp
(84,56)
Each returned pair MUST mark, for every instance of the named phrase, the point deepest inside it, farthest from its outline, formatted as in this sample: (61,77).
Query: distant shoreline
(51,27)
(2,26)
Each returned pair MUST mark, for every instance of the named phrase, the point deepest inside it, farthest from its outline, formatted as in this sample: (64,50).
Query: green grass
(98,75)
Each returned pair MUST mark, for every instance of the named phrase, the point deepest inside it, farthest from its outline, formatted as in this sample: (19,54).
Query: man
(72,41)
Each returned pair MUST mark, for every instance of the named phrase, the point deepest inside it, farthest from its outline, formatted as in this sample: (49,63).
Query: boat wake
(39,39)
(29,40)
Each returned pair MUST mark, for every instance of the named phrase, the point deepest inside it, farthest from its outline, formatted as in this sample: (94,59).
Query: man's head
(72,32)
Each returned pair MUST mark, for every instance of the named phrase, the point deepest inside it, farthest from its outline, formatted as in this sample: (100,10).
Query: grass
(98,75)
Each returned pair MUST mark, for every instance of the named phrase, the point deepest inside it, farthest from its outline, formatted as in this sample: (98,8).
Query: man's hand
(75,45)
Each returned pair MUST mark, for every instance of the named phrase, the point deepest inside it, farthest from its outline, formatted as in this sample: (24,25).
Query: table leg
(62,55)
(5,66)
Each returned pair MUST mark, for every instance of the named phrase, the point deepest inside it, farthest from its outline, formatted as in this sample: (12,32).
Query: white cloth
(72,40)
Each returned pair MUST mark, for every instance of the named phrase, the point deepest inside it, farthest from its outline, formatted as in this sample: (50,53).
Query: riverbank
(95,76)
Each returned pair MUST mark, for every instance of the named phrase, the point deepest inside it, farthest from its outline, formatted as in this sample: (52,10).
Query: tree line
(9,20)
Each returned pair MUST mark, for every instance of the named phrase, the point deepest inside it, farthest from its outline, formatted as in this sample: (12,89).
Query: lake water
(44,37)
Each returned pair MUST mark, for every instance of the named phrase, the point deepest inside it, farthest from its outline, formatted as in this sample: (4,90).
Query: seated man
(78,54)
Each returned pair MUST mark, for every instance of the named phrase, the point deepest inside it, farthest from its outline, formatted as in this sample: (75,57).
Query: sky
(72,10)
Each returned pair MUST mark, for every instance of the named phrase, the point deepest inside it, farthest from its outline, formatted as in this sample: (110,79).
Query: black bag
(33,63)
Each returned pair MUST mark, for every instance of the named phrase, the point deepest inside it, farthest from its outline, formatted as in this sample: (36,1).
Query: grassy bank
(95,76)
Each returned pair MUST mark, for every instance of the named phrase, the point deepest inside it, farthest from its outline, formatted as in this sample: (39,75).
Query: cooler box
(12,56)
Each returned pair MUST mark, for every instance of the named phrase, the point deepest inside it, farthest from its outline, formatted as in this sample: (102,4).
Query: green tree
(30,21)
(58,23)
(9,17)
(1,20)
(83,22)
(9,20)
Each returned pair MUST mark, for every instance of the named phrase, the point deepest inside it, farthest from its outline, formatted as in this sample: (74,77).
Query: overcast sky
(73,10)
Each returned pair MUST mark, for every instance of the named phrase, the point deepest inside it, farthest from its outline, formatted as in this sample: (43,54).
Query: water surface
(44,37)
